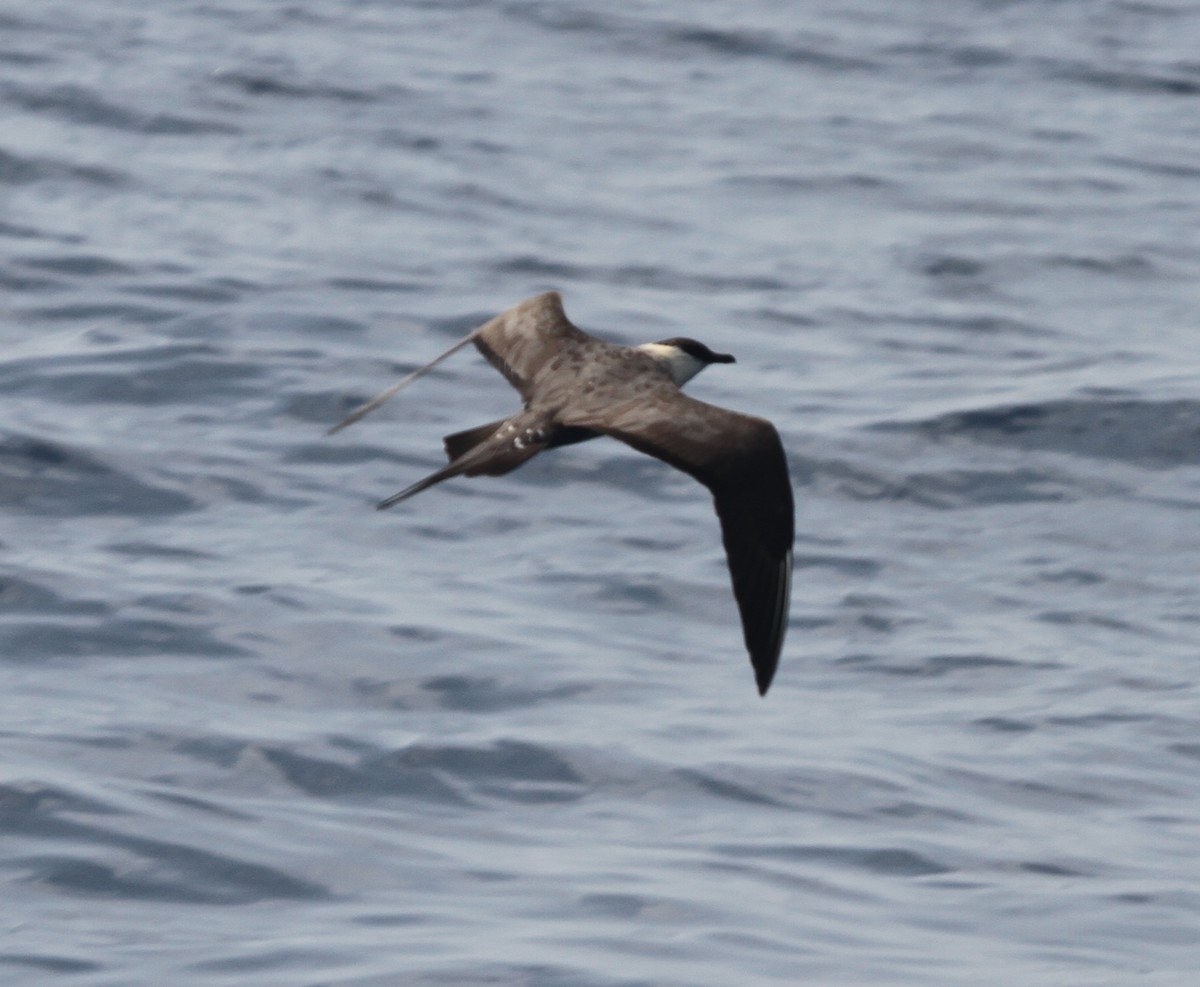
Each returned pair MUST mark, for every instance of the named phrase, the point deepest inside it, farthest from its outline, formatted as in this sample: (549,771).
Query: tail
(480,457)
(365,409)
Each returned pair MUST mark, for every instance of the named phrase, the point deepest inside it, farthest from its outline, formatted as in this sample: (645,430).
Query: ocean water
(256,733)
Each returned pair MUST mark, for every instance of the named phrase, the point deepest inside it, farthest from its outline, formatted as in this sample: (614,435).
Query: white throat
(680,365)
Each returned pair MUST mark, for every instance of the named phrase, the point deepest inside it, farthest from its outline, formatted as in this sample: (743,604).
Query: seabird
(576,387)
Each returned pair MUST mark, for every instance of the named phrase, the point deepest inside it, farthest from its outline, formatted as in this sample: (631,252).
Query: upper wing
(740,459)
(518,343)
(522,340)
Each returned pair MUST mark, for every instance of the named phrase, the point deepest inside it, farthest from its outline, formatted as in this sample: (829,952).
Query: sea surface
(256,733)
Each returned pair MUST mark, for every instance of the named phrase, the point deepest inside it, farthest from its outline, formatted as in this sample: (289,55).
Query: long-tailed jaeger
(576,387)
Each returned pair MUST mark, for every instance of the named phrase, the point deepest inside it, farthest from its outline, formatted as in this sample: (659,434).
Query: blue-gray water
(255,732)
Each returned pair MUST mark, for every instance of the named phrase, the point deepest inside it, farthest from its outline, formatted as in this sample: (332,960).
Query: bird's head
(683,357)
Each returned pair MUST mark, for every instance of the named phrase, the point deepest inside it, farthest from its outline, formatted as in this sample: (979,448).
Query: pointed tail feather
(365,409)
(454,469)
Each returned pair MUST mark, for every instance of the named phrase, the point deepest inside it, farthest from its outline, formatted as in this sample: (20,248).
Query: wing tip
(766,662)
(763,681)
(536,305)
(764,670)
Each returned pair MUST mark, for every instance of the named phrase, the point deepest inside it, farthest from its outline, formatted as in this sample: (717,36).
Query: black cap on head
(696,349)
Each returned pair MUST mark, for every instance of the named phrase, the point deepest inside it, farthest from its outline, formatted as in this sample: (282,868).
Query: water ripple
(1159,434)
(53,479)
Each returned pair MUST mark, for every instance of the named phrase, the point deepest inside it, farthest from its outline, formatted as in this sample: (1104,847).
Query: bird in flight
(576,387)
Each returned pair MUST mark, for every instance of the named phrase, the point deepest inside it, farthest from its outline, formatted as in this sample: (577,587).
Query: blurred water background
(255,733)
